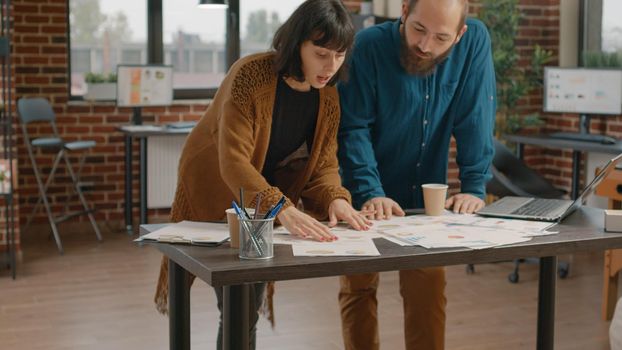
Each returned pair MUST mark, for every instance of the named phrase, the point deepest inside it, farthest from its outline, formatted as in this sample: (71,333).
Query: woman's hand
(340,209)
(303,225)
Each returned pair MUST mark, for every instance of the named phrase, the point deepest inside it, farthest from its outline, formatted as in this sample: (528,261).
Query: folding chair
(32,110)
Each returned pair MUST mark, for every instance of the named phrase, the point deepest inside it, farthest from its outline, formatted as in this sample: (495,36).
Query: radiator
(163,154)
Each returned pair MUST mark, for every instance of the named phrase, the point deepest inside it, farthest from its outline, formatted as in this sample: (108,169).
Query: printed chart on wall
(144,86)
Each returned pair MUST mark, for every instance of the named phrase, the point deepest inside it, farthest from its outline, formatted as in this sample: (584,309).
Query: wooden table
(611,187)
(581,231)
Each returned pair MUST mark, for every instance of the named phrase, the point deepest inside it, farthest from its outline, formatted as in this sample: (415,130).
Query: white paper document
(457,236)
(345,246)
(349,243)
(190,232)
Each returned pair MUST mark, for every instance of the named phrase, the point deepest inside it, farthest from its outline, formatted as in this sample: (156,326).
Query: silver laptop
(530,208)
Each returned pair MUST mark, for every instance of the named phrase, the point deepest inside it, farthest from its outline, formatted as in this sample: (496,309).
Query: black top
(293,123)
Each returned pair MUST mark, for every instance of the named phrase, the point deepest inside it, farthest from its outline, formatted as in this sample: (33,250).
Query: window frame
(155,46)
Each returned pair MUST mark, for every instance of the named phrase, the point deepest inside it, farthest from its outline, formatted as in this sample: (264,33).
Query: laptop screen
(608,168)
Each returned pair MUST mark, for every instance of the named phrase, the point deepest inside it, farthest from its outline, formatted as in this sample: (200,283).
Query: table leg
(128,183)
(235,320)
(546,303)
(576,171)
(143,180)
(179,307)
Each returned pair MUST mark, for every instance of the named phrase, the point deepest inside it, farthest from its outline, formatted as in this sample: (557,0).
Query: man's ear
(404,10)
(461,33)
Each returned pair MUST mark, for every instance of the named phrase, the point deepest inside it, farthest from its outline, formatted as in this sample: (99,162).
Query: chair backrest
(35,110)
(511,176)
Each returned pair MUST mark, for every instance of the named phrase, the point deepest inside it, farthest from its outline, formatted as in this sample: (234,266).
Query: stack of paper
(458,230)
(446,231)
(190,232)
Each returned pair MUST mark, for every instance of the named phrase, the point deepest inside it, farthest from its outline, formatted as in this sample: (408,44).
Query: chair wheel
(470,269)
(513,277)
(562,272)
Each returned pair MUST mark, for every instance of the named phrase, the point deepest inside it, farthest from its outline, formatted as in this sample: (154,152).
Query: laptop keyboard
(537,208)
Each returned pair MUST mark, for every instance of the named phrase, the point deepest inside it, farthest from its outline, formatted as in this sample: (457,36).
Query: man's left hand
(464,203)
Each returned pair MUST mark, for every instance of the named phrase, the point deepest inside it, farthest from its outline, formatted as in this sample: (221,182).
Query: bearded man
(414,83)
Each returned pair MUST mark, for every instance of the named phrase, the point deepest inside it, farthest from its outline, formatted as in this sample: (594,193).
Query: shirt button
(418,165)
(427,97)
(425,121)
(423,145)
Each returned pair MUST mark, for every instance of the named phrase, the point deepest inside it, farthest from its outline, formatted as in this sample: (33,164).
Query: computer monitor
(144,85)
(583,90)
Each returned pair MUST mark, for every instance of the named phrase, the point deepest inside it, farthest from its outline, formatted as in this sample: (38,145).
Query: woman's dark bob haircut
(326,23)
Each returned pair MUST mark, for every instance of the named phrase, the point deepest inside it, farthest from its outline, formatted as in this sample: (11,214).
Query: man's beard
(416,65)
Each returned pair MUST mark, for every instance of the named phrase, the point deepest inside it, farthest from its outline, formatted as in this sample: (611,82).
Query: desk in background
(581,231)
(143,133)
(576,146)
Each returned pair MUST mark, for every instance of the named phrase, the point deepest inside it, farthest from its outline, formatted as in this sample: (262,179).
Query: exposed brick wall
(9,207)
(539,25)
(40,48)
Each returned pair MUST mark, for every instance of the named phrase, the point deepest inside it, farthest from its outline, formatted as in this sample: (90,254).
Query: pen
(242,205)
(276,210)
(278,204)
(257,206)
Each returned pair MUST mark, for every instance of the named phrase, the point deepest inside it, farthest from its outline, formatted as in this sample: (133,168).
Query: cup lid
(440,186)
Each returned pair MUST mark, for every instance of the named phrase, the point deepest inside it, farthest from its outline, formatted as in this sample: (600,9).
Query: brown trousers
(423,293)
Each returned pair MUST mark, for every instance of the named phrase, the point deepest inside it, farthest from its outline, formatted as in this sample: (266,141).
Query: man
(413,84)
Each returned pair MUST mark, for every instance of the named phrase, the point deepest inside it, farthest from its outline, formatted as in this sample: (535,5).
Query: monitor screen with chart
(583,90)
(144,85)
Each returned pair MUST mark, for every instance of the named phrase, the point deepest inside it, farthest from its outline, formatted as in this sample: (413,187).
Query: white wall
(388,8)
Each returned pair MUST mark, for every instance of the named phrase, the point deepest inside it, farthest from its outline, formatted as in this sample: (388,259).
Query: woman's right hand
(303,225)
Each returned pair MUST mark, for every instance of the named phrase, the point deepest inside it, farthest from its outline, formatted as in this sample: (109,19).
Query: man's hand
(340,209)
(464,203)
(381,208)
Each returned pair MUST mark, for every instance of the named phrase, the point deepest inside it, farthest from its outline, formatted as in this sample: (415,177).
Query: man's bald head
(464,11)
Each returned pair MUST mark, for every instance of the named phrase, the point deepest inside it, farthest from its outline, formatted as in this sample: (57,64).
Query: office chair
(512,177)
(38,110)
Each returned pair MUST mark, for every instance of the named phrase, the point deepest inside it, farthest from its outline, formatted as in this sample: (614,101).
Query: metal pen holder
(256,238)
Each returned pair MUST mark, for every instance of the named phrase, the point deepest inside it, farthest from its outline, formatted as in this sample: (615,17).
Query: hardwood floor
(99,296)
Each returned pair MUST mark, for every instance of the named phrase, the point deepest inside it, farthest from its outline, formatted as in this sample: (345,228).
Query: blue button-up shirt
(396,128)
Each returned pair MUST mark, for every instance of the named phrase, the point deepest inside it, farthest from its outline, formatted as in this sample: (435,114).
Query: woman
(271,130)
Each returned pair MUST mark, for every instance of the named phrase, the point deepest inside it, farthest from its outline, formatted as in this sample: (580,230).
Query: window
(602,33)
(104,34)
(199,44)
(259,20)
(193,38)
(204,61)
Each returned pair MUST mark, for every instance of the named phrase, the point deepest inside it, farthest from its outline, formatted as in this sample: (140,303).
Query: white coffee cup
(434,196)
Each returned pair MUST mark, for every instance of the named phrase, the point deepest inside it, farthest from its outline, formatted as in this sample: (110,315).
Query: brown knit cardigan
(227,149)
